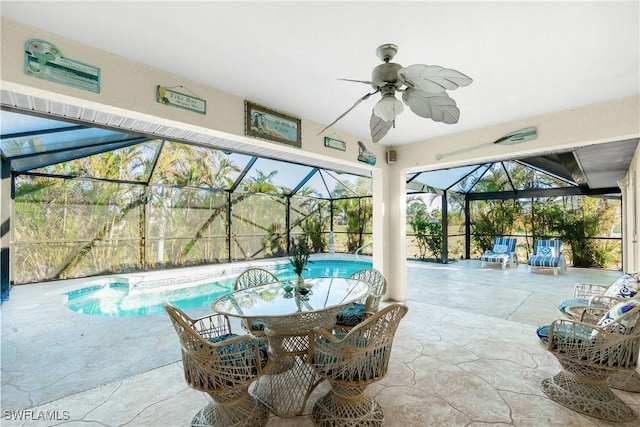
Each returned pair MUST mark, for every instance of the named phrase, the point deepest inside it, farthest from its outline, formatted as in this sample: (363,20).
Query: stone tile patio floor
(466,354)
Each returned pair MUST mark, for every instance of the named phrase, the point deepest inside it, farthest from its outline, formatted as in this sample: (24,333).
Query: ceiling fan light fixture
(388,108)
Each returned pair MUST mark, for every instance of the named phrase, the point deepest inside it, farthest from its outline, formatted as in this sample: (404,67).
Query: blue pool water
(122,299)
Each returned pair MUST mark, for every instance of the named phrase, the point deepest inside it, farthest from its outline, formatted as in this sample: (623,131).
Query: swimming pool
(125,299)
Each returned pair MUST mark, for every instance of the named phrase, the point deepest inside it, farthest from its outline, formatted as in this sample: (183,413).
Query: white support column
(378,190)
(391,233)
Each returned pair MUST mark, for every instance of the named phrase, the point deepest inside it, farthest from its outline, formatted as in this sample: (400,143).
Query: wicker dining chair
(350,362)
(589,353)
(223,365)
(357,312)
(249,278)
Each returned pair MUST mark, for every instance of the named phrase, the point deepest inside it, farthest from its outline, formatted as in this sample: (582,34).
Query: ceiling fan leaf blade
(417,104)
(379,128)
(438,107)
(433,78)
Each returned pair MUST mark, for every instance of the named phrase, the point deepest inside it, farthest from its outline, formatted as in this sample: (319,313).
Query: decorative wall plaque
(45,61)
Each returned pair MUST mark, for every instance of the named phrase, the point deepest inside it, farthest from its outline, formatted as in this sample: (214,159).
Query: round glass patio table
(288,317)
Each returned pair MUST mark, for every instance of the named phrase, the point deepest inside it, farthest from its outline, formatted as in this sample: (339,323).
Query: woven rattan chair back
(359,311)
(589,355)
(247,279)
(254,277)
(222,365)
(350,363)
(377,287)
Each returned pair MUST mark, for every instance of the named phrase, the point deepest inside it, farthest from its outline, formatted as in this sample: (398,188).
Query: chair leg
(346,407)
(237,409)
(590,396)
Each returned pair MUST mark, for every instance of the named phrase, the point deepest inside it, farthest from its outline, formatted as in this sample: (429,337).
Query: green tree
(191,210)
(578,221)
(494,218)
(427,229)
(357,211)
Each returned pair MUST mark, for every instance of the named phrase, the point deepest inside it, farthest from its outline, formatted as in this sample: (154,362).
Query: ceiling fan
(423,89)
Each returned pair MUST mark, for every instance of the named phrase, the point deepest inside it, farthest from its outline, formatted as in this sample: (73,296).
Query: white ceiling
(526,58)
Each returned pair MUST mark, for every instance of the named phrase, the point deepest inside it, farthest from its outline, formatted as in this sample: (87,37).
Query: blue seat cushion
(560,335)
(246,347)
(220,338)
(544,261)
(351,315)
(543,333)
(257,325)
(494,257)
(573,302)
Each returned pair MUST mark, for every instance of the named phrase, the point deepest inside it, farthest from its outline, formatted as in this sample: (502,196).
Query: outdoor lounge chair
(547,253)
(357,312)
(249,278)
(350,362)
(503,252)
(223,365)
(589,354)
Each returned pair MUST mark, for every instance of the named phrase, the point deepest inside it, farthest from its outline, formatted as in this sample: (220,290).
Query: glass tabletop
(272,300)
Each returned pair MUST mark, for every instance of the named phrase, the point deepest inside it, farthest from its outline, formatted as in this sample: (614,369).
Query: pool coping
(197,273)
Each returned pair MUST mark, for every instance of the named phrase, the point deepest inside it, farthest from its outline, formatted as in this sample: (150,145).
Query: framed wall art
(265,123)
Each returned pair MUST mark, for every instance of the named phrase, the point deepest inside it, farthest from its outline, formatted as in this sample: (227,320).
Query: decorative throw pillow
(612,317)
(500,249)
(546,251)
(626,286)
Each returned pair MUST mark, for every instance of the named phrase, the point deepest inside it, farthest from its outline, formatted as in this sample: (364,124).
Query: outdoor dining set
(296,335)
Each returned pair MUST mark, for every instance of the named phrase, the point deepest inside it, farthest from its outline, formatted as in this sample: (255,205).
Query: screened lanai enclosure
(90,201)
(457,213)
